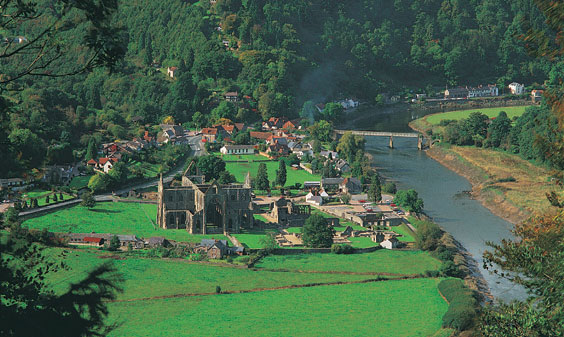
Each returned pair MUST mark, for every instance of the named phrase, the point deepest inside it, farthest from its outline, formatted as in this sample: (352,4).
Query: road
(196,145)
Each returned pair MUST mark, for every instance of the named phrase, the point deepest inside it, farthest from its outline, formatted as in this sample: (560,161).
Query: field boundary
(246,291)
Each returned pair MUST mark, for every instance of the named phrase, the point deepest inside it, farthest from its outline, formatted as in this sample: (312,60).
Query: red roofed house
(209,134)
(277,150)
(106,164)
(260,135)
(93,241)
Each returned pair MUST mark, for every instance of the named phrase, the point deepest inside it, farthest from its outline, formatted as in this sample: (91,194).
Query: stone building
(205,208)
(287,213)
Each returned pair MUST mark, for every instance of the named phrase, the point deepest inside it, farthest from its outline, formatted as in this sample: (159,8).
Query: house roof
(128,238)
(260,135)
(351,181)
(92,239)
(103,161)
(232,94)
(331,181)
(156,240)
(212,242)
(239,147)
(209,131)
(92,162)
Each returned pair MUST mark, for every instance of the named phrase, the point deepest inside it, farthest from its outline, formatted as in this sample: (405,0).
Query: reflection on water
(447,201)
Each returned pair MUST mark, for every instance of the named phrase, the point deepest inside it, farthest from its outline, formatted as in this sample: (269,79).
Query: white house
(390,243)
(314,199)
(516,88)
(106,164)
(348,103)
(483,91)
(172,71)
(238,149)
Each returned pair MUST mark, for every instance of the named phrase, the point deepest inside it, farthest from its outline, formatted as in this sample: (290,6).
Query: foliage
(210,166)
(261,180)
(346,198)
(389,187)
(410,200)
(268,243)
(428,235)
(349,145)
(342,249)
(114,243)
(281,173)
(88,200)
(462,305)
(226,178)
(533,259)
(81,310)
(375,190)
(317,233)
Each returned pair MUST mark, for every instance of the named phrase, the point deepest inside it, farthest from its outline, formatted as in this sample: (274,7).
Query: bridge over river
(386,134)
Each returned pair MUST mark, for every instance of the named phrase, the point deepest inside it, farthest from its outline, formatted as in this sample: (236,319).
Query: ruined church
(205,208)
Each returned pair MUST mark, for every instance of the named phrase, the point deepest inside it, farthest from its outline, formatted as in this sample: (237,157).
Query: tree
(47,199)
(346,198)
(119,172)
(349,145)
(317,146)
(114,243)
(322,131)
(210,166)
(226,178)
(92,151)
(42,49)
(281,173)
(410,200)
(268,243)
(98,183)
(88,200)
(11,216)
(55,198)
(317,233)
(81,310)
(389,187)
(499,129)
(261,180)
(199,120)
(332,112)
(375,191)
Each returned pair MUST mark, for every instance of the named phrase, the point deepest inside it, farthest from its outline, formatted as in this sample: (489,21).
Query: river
(446,195)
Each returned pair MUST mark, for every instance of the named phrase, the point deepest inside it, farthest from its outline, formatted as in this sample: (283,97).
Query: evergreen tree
(261,181)
(316,233)
(114,243)
(88,200)
(148,60)
(281,173)
(92,151)
(375,191)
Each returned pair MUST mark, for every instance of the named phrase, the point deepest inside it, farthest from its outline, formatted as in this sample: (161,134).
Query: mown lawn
(380,261)
(115,218)
(252,238)
(374,309)
(41,195)
(362,242)
(460,114)
(406,233)
(239,170)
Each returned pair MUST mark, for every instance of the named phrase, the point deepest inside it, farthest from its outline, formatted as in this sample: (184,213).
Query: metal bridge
(386,134)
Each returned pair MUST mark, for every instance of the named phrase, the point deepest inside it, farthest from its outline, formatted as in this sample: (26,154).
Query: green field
(251,238)
(115,218)
(40,195)
(513,111)
(80,182)
(240,169)
(146,277)
(362,242)
(383,260)
(406,233)
(374,309)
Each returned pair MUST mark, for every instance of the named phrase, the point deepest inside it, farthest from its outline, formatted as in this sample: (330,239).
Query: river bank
(507,185)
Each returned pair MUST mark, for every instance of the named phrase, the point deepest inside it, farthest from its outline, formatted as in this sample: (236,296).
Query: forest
(279,56)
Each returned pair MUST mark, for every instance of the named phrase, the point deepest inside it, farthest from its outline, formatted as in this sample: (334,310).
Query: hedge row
(462,304)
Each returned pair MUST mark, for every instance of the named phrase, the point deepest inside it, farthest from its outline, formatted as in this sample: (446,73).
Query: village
(322,179)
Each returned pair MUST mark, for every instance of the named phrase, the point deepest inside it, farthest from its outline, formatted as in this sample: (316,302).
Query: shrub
(462,304)
(448,268)
(432,273)
(389,188)
(342,249)
(444,254)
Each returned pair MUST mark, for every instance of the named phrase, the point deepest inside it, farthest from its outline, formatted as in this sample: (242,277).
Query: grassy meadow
(112,217)
(380,261)
(513,111)
(373,309)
